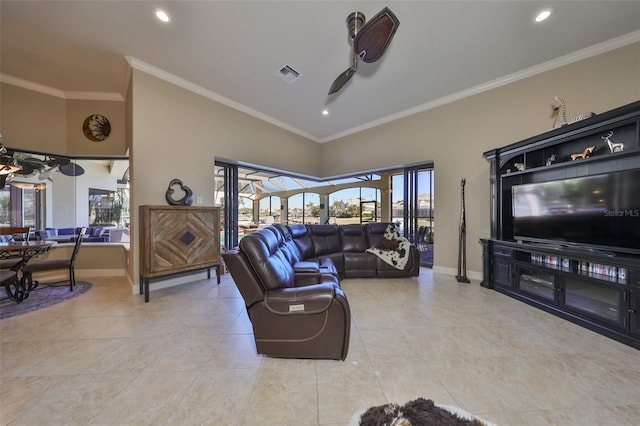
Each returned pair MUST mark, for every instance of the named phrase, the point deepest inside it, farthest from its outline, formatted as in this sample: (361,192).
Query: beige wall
(33,121)
(175,133)
(455,135)
(93,259)
(178,134)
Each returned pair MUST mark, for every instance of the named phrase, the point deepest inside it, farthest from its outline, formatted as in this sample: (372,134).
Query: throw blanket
(393,249)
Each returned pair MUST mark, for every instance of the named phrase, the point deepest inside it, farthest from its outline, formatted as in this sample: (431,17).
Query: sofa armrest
(306,266)
(311,299)
(322,277)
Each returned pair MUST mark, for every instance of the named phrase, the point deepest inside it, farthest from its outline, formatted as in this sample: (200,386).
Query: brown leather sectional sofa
(289,277)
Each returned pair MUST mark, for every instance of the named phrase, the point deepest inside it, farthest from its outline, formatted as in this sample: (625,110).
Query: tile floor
(187,358)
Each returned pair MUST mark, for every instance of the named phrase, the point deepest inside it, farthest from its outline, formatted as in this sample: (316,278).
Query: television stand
(588,284)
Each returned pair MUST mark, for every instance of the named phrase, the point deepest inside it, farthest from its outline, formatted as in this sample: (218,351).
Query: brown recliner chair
(300,314)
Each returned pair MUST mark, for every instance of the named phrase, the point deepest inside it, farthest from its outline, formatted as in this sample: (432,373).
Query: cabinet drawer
(503,252)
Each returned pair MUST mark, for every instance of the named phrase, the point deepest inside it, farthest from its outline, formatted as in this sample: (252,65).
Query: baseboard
(172,281)
(88,273)
(81,274)
(472,275)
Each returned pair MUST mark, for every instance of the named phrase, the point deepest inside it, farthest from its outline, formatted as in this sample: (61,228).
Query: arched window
(304,208)
(270,210)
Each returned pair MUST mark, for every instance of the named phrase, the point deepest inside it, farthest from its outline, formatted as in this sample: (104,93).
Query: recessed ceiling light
(325,112)
(162,15)
(543,15)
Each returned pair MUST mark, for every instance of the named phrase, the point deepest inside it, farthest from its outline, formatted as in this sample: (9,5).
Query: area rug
(418,412)
(41,297)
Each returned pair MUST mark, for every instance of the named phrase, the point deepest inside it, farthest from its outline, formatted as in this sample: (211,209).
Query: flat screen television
(599,211)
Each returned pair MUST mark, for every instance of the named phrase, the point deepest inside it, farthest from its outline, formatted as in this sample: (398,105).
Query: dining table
(21,251)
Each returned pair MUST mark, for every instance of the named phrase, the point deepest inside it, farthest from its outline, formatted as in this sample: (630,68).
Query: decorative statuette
(519,166)
(560,112)
(613,146)
(462,239)
(584,154)
(187,200)
(550,160)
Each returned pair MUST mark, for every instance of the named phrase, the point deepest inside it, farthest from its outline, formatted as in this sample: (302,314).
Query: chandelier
(8,165)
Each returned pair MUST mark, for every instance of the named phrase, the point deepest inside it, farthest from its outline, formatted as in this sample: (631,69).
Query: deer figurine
(613,146)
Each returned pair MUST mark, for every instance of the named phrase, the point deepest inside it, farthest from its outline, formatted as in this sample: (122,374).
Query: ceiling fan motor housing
(355,21)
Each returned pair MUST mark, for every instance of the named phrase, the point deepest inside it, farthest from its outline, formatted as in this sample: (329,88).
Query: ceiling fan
(47,167)
(370,40)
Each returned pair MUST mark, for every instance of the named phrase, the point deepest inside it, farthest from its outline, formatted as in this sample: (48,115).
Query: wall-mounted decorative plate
(96,127)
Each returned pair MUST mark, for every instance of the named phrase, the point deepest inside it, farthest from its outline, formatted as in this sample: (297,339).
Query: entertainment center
(565,223)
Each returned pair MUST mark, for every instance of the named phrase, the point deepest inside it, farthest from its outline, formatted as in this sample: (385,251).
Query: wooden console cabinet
(596,287)
(177,239)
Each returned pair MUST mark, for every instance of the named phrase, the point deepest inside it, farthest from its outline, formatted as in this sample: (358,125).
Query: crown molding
(133,62)
(209,94)
(68,95)
(94,96)
(576,56)
(29,85)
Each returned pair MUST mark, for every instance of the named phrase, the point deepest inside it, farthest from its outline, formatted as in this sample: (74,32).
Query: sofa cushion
(48,233)
(307,300)
(360,265)
(287,245)
(326,239)
(264,254)
(95,231)
(375,232)
(302,239)
(354,238)
(66,231)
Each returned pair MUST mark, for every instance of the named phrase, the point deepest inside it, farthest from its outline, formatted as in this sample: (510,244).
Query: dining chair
(54,264)
(11,233)
(9,280)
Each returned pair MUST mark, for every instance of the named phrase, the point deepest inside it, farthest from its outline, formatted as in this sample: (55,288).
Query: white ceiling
(230,50)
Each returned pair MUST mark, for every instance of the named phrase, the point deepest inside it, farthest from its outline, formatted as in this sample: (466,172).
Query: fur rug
(419,412)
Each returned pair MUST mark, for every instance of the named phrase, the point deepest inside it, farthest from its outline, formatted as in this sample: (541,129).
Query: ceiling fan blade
(342,80)
(374,37)
(59,161)
(71,169)
(46,174)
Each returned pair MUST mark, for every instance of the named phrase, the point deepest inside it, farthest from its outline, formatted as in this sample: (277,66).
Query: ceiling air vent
(288,74)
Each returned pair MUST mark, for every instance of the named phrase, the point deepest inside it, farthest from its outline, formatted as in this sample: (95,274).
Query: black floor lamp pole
(462,242)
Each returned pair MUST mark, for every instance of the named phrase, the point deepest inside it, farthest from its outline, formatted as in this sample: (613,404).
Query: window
(403,196)
(354,205)
(304,208)
(21,204)
(269,210)
(52,191)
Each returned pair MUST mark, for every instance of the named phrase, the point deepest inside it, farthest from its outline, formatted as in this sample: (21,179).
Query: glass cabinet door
(536,282)
(600,301)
